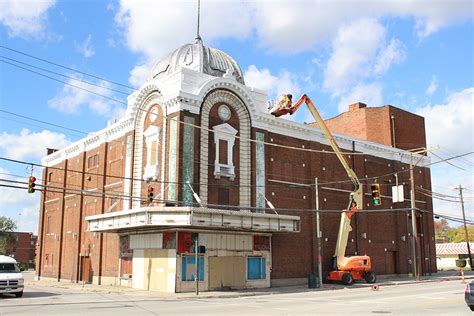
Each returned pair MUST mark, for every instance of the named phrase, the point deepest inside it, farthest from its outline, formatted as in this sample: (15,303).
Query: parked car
(11,279)
(469,295)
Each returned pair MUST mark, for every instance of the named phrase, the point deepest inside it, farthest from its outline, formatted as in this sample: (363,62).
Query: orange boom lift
(346,269)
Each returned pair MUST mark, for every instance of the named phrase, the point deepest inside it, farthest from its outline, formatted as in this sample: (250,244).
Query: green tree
(457,234)
(7,226)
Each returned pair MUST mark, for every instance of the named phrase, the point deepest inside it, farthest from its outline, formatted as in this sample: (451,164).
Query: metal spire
(198,37)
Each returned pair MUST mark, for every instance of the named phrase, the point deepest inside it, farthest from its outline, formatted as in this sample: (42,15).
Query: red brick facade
(65,243)
(386,125)
(23,248)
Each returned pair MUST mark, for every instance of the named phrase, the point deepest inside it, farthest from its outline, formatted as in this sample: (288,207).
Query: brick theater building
(195,159)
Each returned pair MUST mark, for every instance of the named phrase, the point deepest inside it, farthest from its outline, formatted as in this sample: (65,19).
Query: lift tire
(325,277)
(347,279)
(370,277)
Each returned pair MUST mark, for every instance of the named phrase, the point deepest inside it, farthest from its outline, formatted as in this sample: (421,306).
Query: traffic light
(376,200)
(150,193)
(31,184)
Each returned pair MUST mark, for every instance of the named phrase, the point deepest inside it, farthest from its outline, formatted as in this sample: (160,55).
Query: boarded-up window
(261,243)
(126,268)
(188,268)
(186,241)
(169,240)
(223,151)
(256,268)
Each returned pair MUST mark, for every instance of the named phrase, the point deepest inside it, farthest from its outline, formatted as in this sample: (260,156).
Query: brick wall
(386,125)
(383,236)
(23,248)
(63,239)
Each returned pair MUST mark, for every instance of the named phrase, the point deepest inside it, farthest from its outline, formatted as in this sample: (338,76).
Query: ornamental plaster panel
(148,96)
(231,100)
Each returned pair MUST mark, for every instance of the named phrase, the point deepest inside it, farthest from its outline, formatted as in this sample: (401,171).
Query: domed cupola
(199,58)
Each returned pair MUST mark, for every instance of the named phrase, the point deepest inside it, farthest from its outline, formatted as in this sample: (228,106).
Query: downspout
(392,117)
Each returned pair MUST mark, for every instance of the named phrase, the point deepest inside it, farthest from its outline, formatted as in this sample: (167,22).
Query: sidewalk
(381,282)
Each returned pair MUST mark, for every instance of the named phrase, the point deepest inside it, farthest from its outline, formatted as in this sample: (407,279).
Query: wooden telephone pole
(460,188)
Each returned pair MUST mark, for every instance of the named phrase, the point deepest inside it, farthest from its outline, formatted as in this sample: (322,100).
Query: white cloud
(85,48)
(18,205)
(394,53)
(139,74)
(299,25)
(29,144)
(370,94)
(450,125)
(155,28)
(433,86)
(282,83)
(288,27)
(25,18)
(354,50)
(71,99)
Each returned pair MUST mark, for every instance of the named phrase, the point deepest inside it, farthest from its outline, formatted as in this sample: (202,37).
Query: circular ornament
(224,112)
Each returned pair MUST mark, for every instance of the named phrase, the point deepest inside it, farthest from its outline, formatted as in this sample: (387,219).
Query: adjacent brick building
(23,248)
(196,130)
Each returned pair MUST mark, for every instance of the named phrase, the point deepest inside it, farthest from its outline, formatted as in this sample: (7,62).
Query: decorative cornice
(307,132)
(89,142)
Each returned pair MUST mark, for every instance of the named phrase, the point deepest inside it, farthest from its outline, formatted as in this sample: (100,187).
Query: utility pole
(465,226)
(416,275)
(196,250)
(318,234)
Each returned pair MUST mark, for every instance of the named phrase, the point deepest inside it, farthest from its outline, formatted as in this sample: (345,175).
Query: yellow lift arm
(285,106)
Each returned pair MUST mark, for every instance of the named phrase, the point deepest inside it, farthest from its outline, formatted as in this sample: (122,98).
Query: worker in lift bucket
(284,103)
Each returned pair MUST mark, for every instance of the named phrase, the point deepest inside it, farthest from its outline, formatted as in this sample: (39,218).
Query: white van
(11,279)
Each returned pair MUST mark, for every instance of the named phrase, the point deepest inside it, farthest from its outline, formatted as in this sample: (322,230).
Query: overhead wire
(65,67)
(65,82)
(251,140)
(65,76)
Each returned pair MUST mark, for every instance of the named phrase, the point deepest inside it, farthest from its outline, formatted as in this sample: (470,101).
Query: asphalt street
(433,298)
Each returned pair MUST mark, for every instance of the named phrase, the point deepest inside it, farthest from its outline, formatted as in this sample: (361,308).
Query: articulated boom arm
(285,106)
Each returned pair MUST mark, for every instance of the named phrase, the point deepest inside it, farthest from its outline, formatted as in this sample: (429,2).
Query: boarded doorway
(226,273)
(391,262)
(86,275)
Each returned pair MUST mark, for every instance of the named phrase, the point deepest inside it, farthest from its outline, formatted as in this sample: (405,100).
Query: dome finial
(198,39)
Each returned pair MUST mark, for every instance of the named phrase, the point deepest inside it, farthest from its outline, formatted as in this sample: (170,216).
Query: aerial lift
(345,269)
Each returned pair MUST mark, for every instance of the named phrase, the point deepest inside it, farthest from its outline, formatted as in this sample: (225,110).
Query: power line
(181,203)
(66,83)
(64,67)
(65,76)
(44,122)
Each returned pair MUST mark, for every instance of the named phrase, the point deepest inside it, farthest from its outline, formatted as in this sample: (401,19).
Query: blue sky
(416,55)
